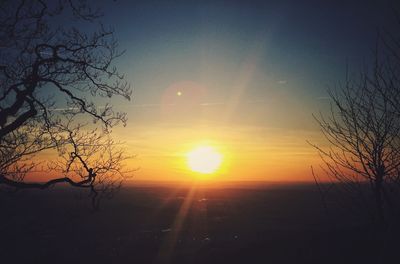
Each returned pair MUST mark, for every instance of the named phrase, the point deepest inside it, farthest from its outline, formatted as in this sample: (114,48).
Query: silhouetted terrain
(231,224)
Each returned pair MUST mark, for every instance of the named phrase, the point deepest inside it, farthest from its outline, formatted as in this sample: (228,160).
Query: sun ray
(168,246)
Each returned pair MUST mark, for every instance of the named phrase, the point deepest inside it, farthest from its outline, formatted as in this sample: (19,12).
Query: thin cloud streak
(200,104)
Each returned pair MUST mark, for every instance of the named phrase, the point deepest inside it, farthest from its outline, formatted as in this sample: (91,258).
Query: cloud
(200,104)
(210,104)
(282,81)
(64,109)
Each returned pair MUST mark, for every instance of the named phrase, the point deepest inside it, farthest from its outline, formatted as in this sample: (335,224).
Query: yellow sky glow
(248,153)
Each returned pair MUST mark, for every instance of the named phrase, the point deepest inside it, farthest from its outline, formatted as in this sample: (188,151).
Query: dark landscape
(279,223)
(179,132)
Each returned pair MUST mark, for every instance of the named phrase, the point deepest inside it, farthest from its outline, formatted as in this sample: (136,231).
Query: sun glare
(204,159)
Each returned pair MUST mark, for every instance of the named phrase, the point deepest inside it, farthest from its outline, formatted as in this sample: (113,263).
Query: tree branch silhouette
(363,133)
(46,66)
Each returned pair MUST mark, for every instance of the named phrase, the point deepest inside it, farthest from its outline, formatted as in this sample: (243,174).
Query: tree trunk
(379,200)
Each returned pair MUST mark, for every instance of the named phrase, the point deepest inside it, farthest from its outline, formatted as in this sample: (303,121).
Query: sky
(249,74)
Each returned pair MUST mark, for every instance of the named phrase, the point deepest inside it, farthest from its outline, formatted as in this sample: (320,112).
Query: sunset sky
(242,78)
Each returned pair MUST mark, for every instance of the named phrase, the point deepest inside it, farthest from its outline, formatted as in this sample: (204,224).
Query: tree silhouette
(47,74)
(363,131)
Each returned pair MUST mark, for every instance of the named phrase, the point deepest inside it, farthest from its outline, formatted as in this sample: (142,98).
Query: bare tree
(47,73)
(363,130)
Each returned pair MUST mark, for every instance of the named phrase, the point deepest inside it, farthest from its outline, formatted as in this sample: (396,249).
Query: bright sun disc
(204,159)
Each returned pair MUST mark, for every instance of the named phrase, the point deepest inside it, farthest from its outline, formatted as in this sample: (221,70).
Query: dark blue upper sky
(295,49)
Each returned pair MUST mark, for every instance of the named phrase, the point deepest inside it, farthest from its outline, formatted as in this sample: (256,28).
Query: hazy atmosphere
(249,77)
(199,131)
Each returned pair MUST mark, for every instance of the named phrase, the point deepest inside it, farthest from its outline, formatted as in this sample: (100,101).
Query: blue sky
(252,72)
(298,47)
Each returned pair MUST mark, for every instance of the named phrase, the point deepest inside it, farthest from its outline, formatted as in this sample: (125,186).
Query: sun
(204,159)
